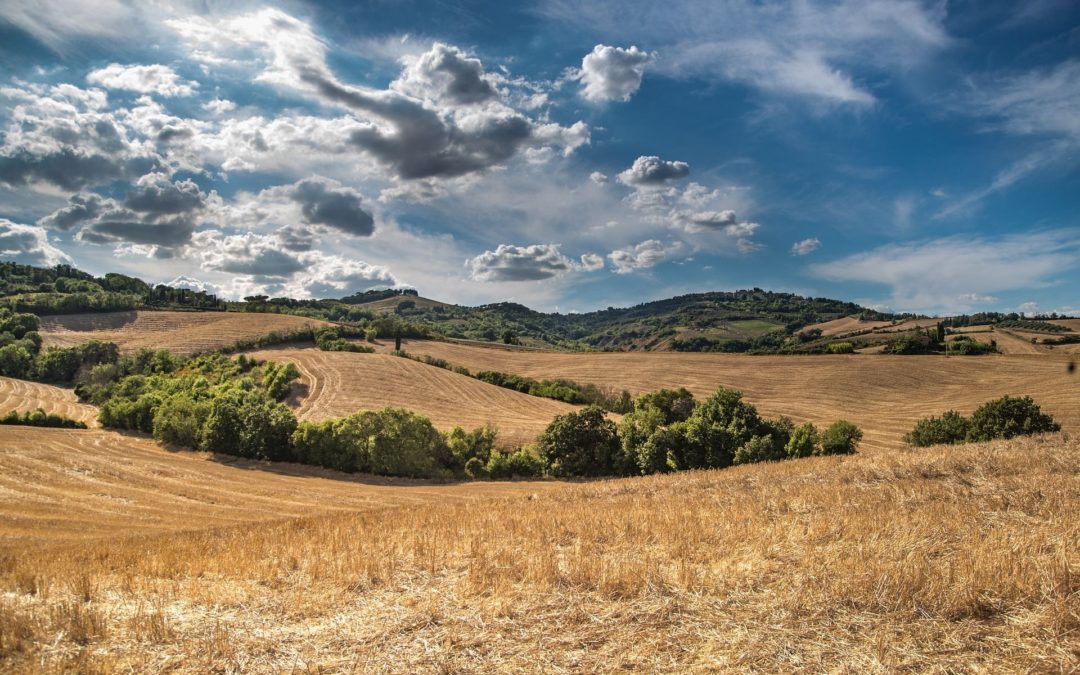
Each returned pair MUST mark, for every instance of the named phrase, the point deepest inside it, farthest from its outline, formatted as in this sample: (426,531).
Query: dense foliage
(669,431)
(39,418)
(1006,417)
(330,339)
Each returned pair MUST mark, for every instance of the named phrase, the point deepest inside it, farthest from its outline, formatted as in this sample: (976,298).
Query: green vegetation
(669,431)
(966,346)
(330,339)
(1033,325)
(1003,418)
(39,418)
(21,355)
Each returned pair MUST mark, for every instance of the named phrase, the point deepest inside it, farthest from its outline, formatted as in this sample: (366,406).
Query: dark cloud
(651,171)
(71,169)
(323,203)
(81,208)
(165,198)
(170,233)
(265,263)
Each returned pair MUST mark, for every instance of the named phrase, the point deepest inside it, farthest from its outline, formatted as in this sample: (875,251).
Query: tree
(718,427)
(949,429)
(583,443)
(1008,417)
(803,442)
(841,438)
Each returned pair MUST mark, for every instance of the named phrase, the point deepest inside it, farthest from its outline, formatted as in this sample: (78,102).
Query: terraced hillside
(884,395)
(181,332)
(22,396)
(61,485)
(336,384)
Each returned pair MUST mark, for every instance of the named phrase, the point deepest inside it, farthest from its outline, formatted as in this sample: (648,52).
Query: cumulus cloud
(806,246)
(264,263)
(641,256)
(65,137)
(28,245)
(929,275)
(612,73)
(152,79)
(324,202)
(193,284)
(527,263)
(157,214)
(445,73)
(598,177)
(414,137)
(652,171)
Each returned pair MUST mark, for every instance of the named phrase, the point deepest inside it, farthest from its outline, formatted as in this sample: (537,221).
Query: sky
(567,155)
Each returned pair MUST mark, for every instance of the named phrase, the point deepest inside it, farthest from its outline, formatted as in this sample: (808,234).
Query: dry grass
(845,325)
(940,560)
(24,396)
(59,484)
(336,384)
(884,395)
(181,332)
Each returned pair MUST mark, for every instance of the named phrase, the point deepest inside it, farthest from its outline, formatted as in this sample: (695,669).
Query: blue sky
(917,156)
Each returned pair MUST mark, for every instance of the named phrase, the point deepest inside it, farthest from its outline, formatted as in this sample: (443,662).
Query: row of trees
(21,355)
(1006,417)
(669,430)
(39,418)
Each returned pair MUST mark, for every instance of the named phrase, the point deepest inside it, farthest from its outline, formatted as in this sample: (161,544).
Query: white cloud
(929,275)
(647,254)
(806,246)
(598,177)
(612,73)
(28,245)
(152,79)
(811,49)
(653,171)
(528,263)
(219,106)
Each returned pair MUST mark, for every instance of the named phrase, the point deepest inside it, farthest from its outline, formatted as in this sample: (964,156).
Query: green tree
(1008,417)
(804,442)
(583,443)
(841,438)
(950,428)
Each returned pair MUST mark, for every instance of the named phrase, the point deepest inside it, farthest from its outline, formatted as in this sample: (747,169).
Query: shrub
(841,438)
(465,446)
(581,443)
(1008,417)
(39,418)
(758,449)
(840,348)
(965,346)
(949,429)
(248,423)
(803,442)
(521,463)
(179,420)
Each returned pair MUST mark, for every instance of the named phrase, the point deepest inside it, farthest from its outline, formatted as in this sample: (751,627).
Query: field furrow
(22,396)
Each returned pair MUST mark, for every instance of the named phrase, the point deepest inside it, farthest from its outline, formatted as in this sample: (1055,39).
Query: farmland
(947,560)
(884,395)
(22,396)
(180,332)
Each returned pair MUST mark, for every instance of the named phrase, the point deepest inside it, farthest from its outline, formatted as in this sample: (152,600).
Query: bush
(248,423)
(39,418)
(841,438)
(949,429)
(1008,417)
(965,346)
(718,427)
(803,442)
(840,348)
(180,419)
(521,463)
(583,443)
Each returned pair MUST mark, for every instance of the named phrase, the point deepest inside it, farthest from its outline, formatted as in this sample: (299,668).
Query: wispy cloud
(944,274)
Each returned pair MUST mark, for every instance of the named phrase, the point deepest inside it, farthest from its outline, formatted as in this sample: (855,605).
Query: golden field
(884,395)
(180,332)
(942,560)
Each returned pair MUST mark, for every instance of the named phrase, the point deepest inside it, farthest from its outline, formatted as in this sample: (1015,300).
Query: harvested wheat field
(180,332)
(23,396)
(958,559)
(337,384)
(884,395)
(845,325)
(60,484)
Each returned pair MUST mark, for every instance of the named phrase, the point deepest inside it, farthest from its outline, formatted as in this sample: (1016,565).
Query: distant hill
(753,320)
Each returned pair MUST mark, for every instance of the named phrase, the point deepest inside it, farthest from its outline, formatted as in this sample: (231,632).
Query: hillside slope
(336,384)
(180,332)
(939,560)
(884,395)
(23,396)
